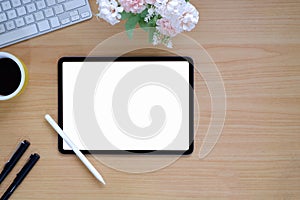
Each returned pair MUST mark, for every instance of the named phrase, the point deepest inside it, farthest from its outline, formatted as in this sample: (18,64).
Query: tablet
(116,105)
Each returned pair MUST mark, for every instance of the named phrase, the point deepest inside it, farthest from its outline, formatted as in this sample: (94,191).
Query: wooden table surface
(256,46)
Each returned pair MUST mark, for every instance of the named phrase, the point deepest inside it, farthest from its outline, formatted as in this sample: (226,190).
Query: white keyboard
(24,19)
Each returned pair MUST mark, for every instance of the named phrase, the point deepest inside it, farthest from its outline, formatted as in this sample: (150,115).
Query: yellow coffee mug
(23,72)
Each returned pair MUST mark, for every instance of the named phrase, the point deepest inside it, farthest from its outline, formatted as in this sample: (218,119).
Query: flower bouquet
(162,19)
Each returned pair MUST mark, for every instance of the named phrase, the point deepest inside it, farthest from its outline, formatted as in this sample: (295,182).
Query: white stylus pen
(85,161)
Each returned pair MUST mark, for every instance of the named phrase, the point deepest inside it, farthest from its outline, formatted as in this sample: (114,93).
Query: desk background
(256,46)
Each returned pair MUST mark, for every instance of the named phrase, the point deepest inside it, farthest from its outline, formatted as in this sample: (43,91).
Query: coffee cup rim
(22,70)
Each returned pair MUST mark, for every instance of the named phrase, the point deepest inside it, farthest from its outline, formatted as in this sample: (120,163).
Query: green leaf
(131,24)
(144,25)
(125,15)
(144,13)
(152,21)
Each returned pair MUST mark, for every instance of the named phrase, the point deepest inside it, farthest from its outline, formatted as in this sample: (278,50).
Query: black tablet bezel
(128,59)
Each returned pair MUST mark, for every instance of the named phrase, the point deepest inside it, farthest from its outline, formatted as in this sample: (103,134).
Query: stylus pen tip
(101,180)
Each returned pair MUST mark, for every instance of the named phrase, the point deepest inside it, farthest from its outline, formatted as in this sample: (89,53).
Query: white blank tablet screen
(173,135)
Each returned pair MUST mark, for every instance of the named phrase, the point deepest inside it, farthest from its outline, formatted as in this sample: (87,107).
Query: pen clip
(24,142)
(19,145)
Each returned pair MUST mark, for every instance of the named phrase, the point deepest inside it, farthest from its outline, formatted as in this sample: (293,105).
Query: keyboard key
(26,1)
(16,3)
(48,12)
(31,7)
(65,21)
(75,17)
(18,34)
(58,9)
(21,11)
(40,4)
(70,5)
(10,25)
(11,14)
(85,14)
(43,25)
(63,15)
(39,15)
(3,17)
(20,22)
(6,5)
(29,19)
(75,12)
(2,28)
(54,22)
(50,2)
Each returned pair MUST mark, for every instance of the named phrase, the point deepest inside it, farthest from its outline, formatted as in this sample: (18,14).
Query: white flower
(189,18)
(170,8)
(150,14)
(150,1)
(109,10)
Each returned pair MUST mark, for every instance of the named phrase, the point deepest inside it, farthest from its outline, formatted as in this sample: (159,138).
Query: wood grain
(255,45)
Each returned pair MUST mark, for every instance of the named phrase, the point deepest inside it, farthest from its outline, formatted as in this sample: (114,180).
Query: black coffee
(10,76)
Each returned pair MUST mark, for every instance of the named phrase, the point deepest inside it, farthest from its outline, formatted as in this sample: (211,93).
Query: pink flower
(164,26)
(134,6)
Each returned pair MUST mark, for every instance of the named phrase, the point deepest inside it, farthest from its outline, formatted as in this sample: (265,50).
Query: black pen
(21,175)
(14,159)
